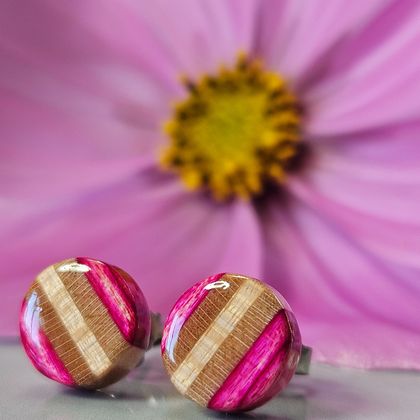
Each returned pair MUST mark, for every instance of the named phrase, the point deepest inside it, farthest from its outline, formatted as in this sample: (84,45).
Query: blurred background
(86,88)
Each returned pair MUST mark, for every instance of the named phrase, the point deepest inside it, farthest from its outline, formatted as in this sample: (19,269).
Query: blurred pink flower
(85,87)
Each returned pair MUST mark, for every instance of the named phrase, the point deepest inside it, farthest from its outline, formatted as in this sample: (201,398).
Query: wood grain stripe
(61,340)
(73,321)
(247,351)
(195,326)
(234,347)
(218,331)
(96,316)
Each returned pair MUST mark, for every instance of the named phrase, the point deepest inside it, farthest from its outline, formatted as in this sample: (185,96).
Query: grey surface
(328,393)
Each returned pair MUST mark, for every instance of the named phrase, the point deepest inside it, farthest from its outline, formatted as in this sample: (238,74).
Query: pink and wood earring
(85,323)
(231,343)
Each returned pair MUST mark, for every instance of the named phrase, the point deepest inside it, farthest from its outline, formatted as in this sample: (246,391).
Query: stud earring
(85,323)
(231,343)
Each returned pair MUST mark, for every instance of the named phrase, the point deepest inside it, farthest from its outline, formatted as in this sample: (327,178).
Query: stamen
(235,132)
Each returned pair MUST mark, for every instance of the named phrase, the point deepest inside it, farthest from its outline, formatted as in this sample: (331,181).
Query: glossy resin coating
(231,343)
(84,323)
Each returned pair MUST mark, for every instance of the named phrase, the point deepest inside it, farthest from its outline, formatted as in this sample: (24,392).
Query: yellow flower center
(235,133)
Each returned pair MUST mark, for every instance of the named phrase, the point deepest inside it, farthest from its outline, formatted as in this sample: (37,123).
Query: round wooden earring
(231,343)
(85,323)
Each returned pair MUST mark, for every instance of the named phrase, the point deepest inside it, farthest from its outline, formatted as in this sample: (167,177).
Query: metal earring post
(156,331)
(304,361)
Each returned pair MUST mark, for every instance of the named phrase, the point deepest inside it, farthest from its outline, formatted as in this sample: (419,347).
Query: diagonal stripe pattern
(208,344)
(73,321)
(84,323)
(236,348)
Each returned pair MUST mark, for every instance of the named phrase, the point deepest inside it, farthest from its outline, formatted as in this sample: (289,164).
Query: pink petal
(353,308)
(77,115)
(367,36)
(391,145)
(243,250)
(48,155)
(166,238)
(54,58)
(371,79)
(75,39)
(376,203)
(199,35)
(363,343)
(294,35)
(244,19)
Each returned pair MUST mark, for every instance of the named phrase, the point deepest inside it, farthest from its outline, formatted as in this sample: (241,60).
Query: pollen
(235,132)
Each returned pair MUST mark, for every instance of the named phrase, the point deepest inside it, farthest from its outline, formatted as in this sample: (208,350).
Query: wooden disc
(84,323)
(230,343)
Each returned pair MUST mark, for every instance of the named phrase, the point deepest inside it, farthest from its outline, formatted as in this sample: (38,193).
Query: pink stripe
(123,299)
(279,370)
(270,381)
(37,345)
(255,377)
(133,293)
(183,309)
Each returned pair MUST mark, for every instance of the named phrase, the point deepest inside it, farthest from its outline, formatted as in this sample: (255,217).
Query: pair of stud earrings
(230,343)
